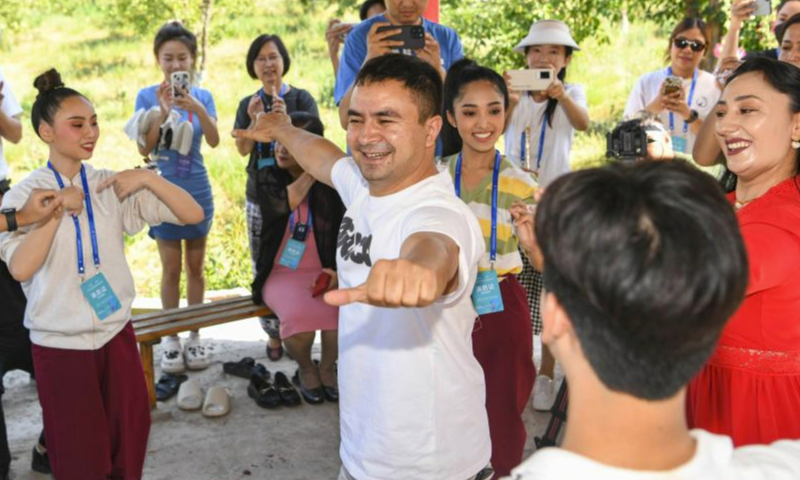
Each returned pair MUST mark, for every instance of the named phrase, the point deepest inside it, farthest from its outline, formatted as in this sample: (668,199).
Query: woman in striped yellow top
(476,99)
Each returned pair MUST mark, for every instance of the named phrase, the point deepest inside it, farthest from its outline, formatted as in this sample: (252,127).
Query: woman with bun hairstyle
(80,289)
(498,192)
(175,49)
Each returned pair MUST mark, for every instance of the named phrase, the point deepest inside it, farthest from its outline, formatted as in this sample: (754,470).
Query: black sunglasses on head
(681,43)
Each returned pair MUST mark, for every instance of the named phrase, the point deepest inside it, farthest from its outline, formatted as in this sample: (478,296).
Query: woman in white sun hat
(539,131)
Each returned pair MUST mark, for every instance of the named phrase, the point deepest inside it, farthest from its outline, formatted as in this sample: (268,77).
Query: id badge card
(292,254)
(486,295)
(266,162)
(101,296)
(679,144)
(184,169)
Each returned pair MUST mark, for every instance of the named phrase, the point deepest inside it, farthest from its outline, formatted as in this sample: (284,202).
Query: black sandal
(243,368)
(168,385)
(289,395)
(264,393)
(274,354)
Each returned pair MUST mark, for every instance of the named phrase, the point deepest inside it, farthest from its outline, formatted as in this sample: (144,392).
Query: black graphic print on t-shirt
(352,245)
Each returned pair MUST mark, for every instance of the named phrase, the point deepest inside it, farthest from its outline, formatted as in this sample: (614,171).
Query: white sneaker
(195,354)
(171,356)
(543,393)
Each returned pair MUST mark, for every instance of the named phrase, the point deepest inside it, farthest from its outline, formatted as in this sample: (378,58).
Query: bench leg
(146,351)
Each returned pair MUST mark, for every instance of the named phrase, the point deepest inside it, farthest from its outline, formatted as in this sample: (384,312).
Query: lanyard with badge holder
(679,144)
(486,295)
(96,289)
(266,152)
(296,246)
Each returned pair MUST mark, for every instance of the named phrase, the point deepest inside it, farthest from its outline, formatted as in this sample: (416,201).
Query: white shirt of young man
(705,99)
(557,140)
(10,108)
(714,459)
(412,393)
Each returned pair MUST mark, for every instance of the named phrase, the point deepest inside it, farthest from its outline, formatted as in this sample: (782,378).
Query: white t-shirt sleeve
(778,461)
(10,105)
(451,223)
(578,95)
(636,100)
(347,180)
(145,208)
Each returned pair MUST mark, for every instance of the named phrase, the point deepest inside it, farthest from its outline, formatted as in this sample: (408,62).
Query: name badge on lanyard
(680,143)
(296,246)
(266,151)
(486,296)
(96,290)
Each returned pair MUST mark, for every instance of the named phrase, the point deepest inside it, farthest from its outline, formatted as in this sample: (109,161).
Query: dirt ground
(299,443)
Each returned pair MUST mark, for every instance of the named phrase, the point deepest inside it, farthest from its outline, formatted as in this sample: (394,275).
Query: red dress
(750,388)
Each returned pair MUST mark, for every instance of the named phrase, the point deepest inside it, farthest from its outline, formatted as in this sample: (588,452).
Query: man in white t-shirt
(412,401)
(10,128)
(632,319)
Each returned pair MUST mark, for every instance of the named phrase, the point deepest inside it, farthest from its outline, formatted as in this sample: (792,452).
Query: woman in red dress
(750,388)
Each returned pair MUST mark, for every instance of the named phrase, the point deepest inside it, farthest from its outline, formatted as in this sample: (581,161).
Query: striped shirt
(514,184)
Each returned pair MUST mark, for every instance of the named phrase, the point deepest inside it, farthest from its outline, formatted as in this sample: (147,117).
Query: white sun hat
(548,32)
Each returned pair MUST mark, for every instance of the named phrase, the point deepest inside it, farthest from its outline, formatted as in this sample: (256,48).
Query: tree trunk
(206,8)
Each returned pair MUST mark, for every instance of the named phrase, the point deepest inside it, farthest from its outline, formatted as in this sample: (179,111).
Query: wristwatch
(11,218)
(693,115)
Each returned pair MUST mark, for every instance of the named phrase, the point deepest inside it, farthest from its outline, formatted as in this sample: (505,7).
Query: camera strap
(690,99)
(495,193)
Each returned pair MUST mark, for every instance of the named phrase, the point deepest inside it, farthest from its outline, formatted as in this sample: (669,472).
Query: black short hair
(308,122)
(780,32)
(648,262)
(48,101)
(255,48)
(416,75)
(364,10)
(175,30)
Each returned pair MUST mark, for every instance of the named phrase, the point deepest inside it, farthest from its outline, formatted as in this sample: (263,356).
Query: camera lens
(544,75)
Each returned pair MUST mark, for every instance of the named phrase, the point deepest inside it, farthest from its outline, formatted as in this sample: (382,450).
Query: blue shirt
(355,51)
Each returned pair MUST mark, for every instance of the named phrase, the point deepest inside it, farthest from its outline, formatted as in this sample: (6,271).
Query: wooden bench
(152,327)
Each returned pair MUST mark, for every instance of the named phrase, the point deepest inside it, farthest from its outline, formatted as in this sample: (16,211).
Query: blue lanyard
(691,96)
(90,213)
(495,189)
(541,143)
(263,95)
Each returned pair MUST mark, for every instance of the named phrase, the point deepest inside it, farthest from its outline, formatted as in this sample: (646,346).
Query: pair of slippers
(217,402)
(245,368)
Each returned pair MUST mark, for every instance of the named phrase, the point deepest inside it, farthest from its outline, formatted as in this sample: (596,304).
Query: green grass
(110,68)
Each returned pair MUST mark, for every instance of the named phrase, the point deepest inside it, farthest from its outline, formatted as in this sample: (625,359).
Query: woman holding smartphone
(539,133)
(267,61)
(175,49)
(682,95)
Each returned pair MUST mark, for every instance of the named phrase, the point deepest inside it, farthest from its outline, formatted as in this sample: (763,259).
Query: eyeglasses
(681,43)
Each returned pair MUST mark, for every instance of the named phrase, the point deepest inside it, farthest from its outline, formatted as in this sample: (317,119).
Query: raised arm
(315,154)
(426,270)
(182,204)
(706,147)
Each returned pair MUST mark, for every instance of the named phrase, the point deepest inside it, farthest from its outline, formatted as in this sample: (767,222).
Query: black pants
(15,348)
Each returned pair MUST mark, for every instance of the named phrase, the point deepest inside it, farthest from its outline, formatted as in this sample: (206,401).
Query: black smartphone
(412,36)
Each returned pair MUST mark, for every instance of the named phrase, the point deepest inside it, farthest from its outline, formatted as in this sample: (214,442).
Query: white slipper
(218,402)
(194,352)
(190,397)
(171,356)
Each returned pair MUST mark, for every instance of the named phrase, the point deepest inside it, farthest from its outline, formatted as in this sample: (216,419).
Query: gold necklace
(739,204)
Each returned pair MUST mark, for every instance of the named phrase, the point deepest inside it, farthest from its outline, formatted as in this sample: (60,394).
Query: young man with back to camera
(407,263)
(632,319)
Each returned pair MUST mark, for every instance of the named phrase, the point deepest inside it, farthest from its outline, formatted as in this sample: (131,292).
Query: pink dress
(288,292)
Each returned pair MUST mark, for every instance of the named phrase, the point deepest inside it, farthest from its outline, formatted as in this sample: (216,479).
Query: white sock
(174,338)
(194,335)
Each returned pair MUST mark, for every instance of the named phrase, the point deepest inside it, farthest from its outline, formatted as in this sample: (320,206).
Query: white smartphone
(763,8)
(531,80)
(181,80)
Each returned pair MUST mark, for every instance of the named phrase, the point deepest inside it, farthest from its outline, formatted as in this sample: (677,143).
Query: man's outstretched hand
(392,283)
(263,130)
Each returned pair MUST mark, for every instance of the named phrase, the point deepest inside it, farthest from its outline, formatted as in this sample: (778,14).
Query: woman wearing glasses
(682,110)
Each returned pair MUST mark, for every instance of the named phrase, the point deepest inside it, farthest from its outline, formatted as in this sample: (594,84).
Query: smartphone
(180,82)
(763,8)
(412,36)
(531,80)
(672,84)
(321,284)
